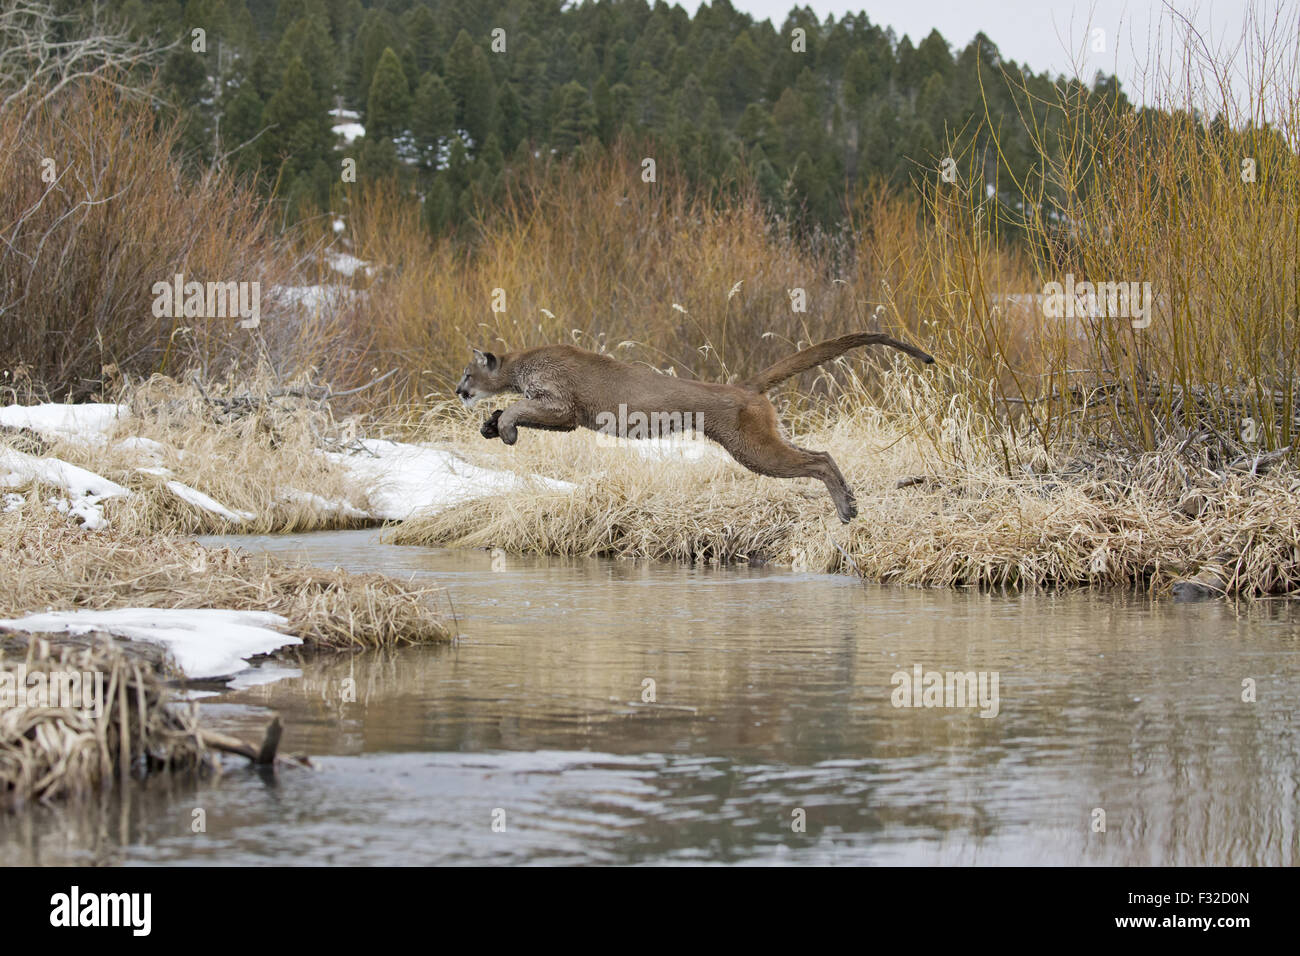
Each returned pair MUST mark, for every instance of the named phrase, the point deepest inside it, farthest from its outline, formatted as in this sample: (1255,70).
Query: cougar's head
(482,378)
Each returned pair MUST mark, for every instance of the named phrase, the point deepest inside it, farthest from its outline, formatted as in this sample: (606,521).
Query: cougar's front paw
(849,511)
(509,433)
(489,429)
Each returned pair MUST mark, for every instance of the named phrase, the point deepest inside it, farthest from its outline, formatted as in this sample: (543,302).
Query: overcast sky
(1055,35)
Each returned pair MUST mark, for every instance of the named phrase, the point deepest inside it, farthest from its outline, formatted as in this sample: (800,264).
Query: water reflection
(769,704)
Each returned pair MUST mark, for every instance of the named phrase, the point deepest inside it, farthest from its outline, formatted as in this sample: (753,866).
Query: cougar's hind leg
(759,446)
(839,488)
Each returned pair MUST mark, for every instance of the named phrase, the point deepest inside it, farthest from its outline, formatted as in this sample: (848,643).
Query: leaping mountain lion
(566,387)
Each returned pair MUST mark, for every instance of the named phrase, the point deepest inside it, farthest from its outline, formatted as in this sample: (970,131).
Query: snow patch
(86,423)
(85,489)
(402,479)
(204,642)
(86,508)
(22,468)
(346,264)
(150,449)
(322,506)
(192,496)
(314,298)
(346,125)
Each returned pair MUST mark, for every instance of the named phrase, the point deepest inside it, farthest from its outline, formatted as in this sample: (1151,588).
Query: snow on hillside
(347,125)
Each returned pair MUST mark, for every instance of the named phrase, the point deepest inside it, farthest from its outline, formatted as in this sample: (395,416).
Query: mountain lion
(564,387)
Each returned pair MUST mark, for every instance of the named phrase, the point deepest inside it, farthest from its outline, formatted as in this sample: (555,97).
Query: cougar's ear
(487,360)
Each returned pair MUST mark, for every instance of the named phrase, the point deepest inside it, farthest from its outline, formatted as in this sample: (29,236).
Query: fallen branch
(263,756)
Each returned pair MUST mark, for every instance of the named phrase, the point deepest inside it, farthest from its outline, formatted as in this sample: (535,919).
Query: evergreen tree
(241,122)
(511,109)
(433,117)
(309,40)
(720,95)
(300,134)
(469,77)
(388,107)
(603,102)
(375,35)
(424,37)
(439,206)
(575,118)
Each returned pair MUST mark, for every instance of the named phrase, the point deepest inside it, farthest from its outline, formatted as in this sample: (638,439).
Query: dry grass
(49,753)
(1057,452)
(264,461)
(1077,520)
(1196,197)
(586,253)
(95,208)
(50,563)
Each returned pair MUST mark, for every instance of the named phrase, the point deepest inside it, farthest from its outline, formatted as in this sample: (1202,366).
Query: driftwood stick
(853,564)
(325,392)
(227,744)
(238,405)
(270,743)
(1260,462)
(263,756)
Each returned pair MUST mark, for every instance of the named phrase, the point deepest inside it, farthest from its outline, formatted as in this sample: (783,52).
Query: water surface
(770,737)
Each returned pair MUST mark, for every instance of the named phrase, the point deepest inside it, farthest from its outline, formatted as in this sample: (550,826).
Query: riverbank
(103,578)
(937,506)
(784,683)
(132,615)
(254,457)
(1175,521)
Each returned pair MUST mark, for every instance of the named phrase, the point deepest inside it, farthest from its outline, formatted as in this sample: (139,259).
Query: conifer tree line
(453,94)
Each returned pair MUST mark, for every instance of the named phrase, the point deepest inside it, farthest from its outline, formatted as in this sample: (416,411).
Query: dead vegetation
(1040,451)
(51,563)
(939,513)
(55,752)
(256,447)
(81,715)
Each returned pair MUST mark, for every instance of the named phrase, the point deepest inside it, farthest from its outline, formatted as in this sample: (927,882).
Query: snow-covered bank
(192,496)
(401,480)
(384,480)
(85,489)
(204,643)
(84,422)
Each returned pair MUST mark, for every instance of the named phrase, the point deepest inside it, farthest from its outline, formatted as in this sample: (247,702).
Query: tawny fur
(566,388)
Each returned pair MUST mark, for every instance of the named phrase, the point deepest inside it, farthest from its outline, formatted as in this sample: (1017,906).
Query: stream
(625,712)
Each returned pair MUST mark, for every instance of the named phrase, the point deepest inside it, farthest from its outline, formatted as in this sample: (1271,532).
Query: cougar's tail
(815,355)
